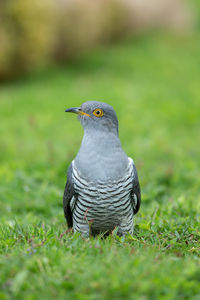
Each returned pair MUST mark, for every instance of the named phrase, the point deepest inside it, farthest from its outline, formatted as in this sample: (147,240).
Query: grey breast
(104,203)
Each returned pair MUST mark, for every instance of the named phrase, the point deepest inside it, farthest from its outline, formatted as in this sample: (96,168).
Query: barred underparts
(103,206)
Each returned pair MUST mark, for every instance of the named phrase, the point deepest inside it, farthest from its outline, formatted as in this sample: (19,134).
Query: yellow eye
(98,112)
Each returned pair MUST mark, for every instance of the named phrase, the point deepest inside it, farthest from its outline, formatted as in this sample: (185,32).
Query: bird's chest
(103,200)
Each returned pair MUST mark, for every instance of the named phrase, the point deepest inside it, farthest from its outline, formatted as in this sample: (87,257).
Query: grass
(153,83)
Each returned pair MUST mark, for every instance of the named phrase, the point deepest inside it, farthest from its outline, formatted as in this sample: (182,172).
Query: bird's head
(95,115)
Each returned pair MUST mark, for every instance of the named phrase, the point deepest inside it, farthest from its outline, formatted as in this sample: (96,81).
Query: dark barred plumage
(103,206)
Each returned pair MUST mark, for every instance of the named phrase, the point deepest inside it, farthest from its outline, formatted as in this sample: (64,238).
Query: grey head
(96,116)
(101,157)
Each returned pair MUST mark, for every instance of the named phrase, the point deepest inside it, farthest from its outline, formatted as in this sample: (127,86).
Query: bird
(102,192)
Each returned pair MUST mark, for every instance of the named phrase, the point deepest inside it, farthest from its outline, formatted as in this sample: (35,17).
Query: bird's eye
(98,112)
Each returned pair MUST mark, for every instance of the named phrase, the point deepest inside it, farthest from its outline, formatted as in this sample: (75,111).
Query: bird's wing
(135,193)
(68,194)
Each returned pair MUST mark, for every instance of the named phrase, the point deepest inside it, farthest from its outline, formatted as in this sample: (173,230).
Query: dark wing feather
(135,193)
(68,194)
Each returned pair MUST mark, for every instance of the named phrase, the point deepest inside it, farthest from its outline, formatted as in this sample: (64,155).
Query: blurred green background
(143,58)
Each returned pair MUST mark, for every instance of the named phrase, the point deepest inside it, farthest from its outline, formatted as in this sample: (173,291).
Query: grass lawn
(154,85)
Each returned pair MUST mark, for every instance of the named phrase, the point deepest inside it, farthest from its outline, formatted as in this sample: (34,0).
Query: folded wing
(135,193)
(68,194)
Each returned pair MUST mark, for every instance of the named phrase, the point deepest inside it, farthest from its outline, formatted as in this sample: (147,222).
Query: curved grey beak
(77,110)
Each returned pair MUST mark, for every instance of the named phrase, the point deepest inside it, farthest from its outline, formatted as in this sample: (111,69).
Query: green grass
(153,84)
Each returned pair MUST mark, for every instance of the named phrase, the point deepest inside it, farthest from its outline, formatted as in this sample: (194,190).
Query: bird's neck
(100,142)
(101,156)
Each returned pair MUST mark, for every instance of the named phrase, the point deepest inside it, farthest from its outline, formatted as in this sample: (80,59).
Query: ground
(153,84)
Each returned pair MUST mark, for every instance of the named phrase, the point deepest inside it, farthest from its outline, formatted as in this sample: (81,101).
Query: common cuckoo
(102,190)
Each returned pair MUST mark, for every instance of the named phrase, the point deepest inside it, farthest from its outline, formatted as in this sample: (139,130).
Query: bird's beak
(77,110)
